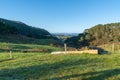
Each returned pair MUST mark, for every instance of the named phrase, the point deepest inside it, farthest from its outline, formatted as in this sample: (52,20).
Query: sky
(61,16)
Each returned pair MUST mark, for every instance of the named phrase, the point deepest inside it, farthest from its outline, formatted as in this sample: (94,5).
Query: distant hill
(97,35)
(19,32)
(64,36)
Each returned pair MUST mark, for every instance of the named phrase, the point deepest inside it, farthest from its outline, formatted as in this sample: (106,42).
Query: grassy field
(115,47)
(27,47)
(41,66)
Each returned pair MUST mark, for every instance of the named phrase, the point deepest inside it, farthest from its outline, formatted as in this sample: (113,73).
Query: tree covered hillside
(18,32)
(97,35)
(24,29)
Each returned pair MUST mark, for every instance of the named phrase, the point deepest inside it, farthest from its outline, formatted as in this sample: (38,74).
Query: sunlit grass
(59,67)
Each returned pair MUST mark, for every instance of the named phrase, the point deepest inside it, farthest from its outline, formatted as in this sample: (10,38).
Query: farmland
(6,47)
(41,66)
(59,40)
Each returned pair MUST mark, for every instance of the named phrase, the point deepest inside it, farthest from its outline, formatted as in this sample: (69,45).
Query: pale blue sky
(72,16)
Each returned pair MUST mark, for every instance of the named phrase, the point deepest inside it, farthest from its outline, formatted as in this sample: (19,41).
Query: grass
(40,66)
(115,47)
(11,38)
(27,47)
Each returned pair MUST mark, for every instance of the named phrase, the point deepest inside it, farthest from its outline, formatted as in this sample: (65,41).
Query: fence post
(65,46)
(113,47)
(10,54)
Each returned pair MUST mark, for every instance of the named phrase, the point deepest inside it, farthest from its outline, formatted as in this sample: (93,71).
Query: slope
(18,32)
(97,35)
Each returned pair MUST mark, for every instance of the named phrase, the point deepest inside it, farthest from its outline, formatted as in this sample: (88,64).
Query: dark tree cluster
(6,29)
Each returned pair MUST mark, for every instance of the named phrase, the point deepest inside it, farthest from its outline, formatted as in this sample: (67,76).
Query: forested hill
(19,32)
(97,35)
(24,29)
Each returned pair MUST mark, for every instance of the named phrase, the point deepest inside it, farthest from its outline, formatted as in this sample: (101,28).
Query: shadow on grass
(48,72)
(4,60)
(21,47)
(100,75)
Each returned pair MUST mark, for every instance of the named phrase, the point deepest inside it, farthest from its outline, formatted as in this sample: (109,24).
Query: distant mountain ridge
(65,34)
(19,29)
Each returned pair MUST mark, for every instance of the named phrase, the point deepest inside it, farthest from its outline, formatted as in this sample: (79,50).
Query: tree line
(97,35)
